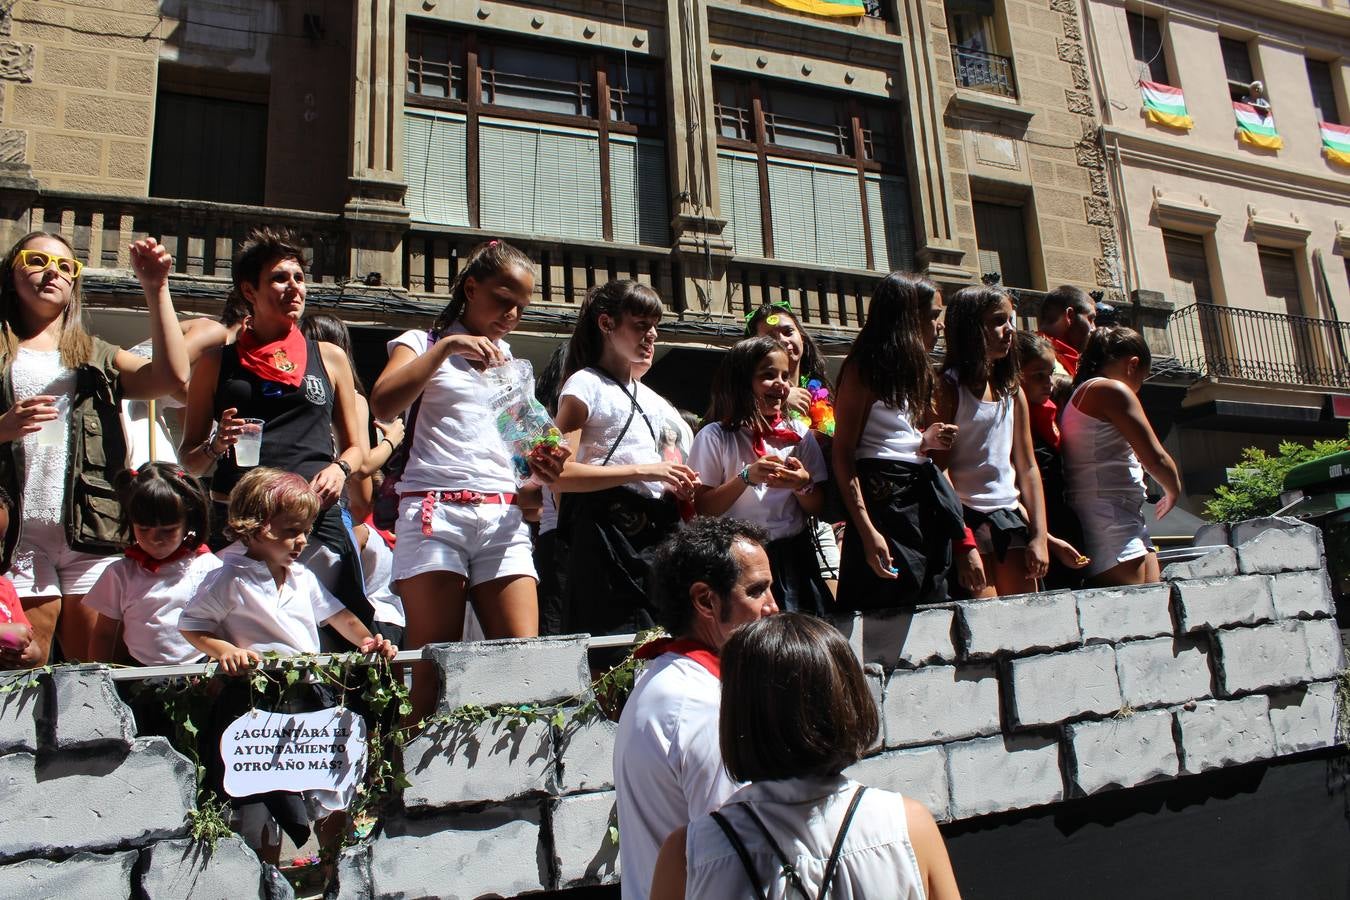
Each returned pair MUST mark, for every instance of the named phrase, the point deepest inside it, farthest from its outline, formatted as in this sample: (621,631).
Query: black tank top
(298,434)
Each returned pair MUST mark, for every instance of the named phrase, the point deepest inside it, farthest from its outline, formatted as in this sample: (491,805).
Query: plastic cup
(53,433)
(250,443)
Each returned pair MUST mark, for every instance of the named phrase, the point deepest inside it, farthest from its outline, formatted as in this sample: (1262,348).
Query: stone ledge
(1209,603)
(535,671)
(909,638)
(1112,615)
(1025,623)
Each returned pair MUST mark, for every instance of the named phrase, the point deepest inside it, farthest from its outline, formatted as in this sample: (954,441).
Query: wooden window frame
(763,149)
(473,108)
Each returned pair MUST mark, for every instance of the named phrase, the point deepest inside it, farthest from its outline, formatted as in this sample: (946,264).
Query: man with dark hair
(1067,317)
(713,577)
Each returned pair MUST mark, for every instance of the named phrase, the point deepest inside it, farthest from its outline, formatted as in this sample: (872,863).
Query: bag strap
(789,870)
(632,411)
(739,846)
(838,848)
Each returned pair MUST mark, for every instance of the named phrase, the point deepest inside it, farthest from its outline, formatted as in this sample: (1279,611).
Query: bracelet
(803,491)
(208,447)
(745,475)
(385,440)
(345,466)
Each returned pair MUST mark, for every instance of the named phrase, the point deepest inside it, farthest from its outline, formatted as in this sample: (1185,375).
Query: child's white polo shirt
(149,604)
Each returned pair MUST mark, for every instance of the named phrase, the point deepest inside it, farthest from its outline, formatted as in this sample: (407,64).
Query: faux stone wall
(987,706)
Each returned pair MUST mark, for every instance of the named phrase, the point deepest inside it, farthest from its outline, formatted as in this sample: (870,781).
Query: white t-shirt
(149,604)
(719,455)
(241,603)
(44,470)
(377,563)
(607,406)
(668,766)
(456,445)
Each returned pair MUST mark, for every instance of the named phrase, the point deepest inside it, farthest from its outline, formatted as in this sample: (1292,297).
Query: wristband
(803,491)
(208,447)
(344,466)
(966,542)
(745,475)
(385,440)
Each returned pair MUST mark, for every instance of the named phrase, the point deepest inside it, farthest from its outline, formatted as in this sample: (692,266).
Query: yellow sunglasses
(41,259)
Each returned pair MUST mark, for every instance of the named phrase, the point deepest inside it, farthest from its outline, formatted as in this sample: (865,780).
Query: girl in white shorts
(461,536)
(1108,445)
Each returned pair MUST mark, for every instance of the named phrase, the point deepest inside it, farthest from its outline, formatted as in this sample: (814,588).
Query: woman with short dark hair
(796,712)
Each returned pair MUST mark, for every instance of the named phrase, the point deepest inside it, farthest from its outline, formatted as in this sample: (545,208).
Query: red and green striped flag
(826,7)
(1165,105)
(1256,126)
(1336,143)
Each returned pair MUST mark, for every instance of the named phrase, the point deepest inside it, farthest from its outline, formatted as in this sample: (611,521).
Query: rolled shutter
(539,180)
(792,201)
(637,179)
(840,239)
(1187,269)
(892,226)
(435,167)
(738,184)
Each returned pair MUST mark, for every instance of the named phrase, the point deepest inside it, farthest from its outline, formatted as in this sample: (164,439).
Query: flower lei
(820,414)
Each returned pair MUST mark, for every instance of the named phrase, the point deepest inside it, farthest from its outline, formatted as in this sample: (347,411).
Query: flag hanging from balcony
(1256,126)
(1165,105)
(826,7)
(1336,143)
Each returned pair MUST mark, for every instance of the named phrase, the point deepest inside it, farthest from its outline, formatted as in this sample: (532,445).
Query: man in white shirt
(714,577)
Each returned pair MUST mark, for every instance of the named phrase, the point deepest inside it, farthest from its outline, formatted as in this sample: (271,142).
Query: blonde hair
(264,493)
(76,346)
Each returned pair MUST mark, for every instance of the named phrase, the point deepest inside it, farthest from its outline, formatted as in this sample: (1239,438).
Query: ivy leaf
(614,835)
(559,720)
(292,676)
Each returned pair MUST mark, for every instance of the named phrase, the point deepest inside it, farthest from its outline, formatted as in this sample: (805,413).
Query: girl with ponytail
(1108,445)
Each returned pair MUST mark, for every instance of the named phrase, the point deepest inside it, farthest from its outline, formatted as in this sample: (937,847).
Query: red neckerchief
(387,535)
(697,651)
(1067,356)
(1043,423)
(780,430)
(281,360)
(152,565)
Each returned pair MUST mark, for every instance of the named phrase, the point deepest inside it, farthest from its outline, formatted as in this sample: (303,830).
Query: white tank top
(981,460)
(1098,460)
(889,434)
(804,815)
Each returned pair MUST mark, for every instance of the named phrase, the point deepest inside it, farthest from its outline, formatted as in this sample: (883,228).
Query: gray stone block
(1122,752)
(1163,672)
(1326,651)
(582,850)
(1304,718)
(1024,623)
(1268,656)
(1213,534)
(456,856)
(993,774)
(904,637)
(1302,595)
(1217,562)
(1288,546)
(534,671)
(1112,615)
(20,712)
(275,886)
(1220,602)
(457,764)
(82,875)
(188,870)
(83,709)
(353,874)
(939,704)
(94,802)
(1242,532)
(1216,734)
(586,757)
(875,676)
(920,774)
(1055,687)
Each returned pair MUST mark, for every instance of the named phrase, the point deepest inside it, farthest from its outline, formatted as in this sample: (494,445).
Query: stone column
(375,214)
(697,223)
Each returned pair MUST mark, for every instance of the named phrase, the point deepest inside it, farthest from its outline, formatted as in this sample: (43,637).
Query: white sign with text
(315,751)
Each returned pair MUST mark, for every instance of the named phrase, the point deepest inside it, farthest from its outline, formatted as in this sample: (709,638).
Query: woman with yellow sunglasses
(62,445)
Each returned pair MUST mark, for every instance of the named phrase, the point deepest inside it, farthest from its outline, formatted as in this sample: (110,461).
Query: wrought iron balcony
(981,71)
(1254,345)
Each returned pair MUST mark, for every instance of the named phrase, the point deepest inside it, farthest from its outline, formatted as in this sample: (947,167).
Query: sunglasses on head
(776,304)
(41,259)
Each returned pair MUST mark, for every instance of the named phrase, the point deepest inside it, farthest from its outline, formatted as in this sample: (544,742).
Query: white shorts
(44,566)
(482,543)
(1113,530)
(827,550)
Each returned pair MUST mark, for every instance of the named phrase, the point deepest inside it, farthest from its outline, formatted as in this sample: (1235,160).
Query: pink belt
(473,498)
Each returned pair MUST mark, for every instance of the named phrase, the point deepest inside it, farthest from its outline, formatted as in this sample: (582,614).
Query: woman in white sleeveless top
(796,712)
(992,464)
(1108,444)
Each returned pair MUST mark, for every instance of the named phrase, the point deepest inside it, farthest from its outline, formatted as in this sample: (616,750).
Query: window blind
(637,186)
(1001,236)
(817,214)
(435,167)
(892,225)
(738,183)
(536,179)
(1187,269)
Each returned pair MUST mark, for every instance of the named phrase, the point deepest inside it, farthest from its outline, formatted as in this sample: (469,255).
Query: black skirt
(608,541)
(797,583)
(916,510)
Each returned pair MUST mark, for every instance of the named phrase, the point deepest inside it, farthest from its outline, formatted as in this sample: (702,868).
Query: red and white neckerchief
(697,651)
(152,565)
(780,430)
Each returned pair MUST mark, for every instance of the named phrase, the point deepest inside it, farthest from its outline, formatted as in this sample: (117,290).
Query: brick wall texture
(988,706)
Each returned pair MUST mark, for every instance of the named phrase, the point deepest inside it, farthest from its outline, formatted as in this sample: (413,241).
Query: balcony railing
(981,71)
(1254,345)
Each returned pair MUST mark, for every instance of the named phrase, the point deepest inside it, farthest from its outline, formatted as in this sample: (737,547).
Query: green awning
(1318,471)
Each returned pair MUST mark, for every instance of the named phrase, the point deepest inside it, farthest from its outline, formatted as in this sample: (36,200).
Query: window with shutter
(791,206)
(1146,41)
(1279,275)
(208,148)
(637,190)
(1001,236)
(1323,91)
(891,225)
(435,167)
(840,238)
(536,179)
(1187,268)
(738,184)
